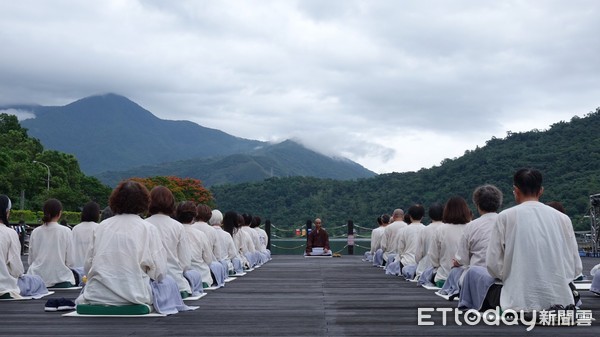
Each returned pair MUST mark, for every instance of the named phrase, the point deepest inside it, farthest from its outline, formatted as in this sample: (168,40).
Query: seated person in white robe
(472,248)
(126,254)
(408,241)
(173,237)
(389,241)
(218,270)
(263,238)
(436,212)
(200,249)
(51,249)
(533,250)
(229,227)
(261,258)
(376,251)
(228,252)
(83,233)
(456,215)
(12,283)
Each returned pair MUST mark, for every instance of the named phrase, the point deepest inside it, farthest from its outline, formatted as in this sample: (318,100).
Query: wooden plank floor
(289,296)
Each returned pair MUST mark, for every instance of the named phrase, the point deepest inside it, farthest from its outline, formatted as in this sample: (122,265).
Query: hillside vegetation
(568,154)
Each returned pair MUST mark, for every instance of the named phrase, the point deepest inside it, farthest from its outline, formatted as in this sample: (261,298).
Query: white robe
(227,249)
(533,250)
(472,248)
(263,237)
(51,254)
(243,243)
(82,235)
(126,253)
(174,239)
(376,236)
(408,238)
(426,237)
(201,252)
(443,249)
(389,241)
(11,266)
(211,234)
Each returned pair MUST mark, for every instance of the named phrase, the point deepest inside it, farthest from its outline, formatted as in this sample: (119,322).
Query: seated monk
(318,238)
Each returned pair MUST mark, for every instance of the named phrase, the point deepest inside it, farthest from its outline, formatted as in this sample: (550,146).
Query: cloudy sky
(393,85)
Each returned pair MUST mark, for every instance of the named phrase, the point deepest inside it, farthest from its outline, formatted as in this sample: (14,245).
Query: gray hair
(488,198)
(216,218)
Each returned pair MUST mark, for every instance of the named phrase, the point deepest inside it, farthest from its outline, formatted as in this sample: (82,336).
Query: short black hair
(436,211)
(90,212)
(529,181)
(416,211)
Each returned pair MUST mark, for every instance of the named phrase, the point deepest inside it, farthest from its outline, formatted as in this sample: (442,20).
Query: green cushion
(63,285)
(205,285)
(5,296)
(184,294)
(440,283)
(95,309)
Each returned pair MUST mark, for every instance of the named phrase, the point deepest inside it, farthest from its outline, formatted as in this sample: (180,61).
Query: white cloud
(21,114)
(393,85)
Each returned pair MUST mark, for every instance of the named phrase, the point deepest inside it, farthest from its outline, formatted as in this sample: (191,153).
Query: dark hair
(90,212)
(129,197)
(161,201)
(379,221)
(230,222)
(456,211)
(185,212)
(488,198)
(557,206)
(52,209)
(4,201)
(436,211)
(416,212)
(106,213)
(203,213)
(385,218)
(256,221)
(247,219)
(529,181)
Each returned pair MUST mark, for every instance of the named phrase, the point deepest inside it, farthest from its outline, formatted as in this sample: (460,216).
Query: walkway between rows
(289,296)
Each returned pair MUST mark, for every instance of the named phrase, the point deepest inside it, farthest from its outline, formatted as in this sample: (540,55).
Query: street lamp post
(47,167)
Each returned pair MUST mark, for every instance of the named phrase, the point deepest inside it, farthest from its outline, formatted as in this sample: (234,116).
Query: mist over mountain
(113,137)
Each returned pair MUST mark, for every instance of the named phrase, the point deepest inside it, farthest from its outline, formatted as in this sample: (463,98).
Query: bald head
(398,214)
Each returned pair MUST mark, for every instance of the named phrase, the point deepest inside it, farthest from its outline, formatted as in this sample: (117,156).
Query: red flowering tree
(183,189)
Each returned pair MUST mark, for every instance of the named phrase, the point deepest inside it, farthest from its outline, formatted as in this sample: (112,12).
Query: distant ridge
(285,159)
(110,132)
(114,137)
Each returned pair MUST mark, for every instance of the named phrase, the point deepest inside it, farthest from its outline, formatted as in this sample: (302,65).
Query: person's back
(211,235)
(533,250)
(174,240)
(539,257)
(50,248)
(408,241)
(83,233)
(127,253)
(443,248)
(11,266)
(376,236)
(472,248)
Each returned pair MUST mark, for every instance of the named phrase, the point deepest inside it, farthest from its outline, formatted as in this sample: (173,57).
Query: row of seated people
(504,260)
(126,260)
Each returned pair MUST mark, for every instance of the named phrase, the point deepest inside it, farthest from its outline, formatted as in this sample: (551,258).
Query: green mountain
(270,160)
(110,132)
(568,154)
(115,138)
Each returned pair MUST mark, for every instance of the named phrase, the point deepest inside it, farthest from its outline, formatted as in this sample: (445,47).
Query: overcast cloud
(393,85)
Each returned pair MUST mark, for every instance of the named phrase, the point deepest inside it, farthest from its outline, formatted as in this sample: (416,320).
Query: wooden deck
(289,296)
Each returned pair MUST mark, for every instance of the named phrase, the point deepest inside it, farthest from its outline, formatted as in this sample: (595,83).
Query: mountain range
(114,138)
